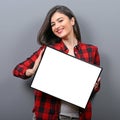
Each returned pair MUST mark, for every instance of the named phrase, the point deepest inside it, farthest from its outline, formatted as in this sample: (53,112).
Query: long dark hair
(45,34)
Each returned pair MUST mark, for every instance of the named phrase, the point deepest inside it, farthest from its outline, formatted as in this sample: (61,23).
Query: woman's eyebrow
(57,19)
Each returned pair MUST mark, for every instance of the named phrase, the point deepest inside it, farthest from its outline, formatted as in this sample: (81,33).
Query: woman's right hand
(30,72)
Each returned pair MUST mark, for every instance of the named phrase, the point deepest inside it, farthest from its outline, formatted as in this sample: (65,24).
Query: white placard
(66,77)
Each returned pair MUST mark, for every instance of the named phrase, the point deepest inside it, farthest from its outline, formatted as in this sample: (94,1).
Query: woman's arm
(28,67)
(30,72)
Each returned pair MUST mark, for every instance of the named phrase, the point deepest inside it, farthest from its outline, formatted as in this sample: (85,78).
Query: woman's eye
(52,24)
(60,20)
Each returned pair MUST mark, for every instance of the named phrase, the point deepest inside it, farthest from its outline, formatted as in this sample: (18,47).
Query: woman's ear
(73,21)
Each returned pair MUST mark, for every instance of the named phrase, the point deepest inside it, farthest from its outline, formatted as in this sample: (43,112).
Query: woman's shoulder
(37,52)
(59,46)
(82,44)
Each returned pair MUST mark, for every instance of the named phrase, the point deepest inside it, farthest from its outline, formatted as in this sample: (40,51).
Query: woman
(60,30)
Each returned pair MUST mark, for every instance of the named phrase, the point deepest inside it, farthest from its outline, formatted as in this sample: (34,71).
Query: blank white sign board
(66,77)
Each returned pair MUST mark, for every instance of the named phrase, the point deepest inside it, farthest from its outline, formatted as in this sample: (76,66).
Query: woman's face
(61,25)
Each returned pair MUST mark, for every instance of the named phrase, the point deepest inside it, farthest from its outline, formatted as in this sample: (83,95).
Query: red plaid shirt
(47,107)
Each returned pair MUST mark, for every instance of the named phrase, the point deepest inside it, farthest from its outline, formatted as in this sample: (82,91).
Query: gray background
(20,21)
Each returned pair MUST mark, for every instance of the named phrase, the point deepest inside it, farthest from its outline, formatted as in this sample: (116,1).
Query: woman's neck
(70,43)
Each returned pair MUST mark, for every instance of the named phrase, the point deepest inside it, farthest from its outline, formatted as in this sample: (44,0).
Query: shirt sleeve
(97,58)
(20,69)
(97,63)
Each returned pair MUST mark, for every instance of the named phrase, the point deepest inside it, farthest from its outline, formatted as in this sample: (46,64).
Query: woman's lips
(59,31)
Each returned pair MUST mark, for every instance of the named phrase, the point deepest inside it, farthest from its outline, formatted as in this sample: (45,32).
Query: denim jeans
(33,118)
(62,117)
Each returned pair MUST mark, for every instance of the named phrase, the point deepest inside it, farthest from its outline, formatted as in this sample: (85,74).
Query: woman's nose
(57,25)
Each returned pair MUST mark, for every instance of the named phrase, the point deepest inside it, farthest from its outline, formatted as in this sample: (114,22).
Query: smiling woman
(49,36)
(60,30)
(62,25)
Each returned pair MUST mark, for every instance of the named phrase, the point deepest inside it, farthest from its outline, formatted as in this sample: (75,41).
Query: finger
(99,79)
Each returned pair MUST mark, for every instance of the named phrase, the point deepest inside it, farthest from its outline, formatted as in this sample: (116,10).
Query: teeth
(59,31)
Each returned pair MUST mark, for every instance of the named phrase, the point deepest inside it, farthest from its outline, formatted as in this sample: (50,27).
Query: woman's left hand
(97,84)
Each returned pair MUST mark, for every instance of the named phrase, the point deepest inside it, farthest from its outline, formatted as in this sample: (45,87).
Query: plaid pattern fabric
(47,107)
